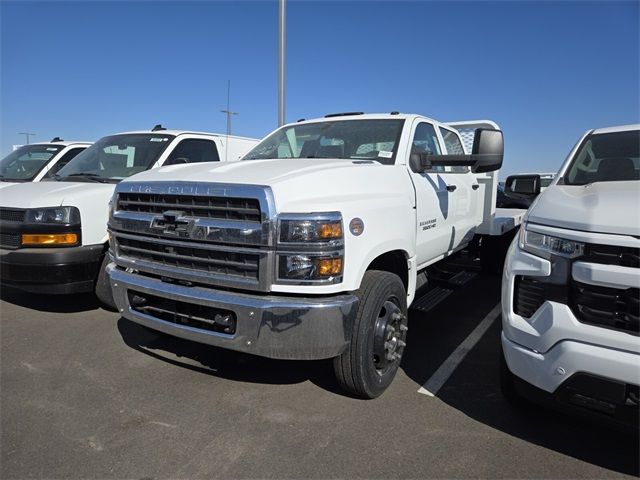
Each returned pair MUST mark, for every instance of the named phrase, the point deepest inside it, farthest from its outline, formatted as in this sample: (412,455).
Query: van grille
(201,206)
(12,215)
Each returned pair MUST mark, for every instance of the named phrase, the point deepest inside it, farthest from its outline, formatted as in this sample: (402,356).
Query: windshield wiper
(92,177)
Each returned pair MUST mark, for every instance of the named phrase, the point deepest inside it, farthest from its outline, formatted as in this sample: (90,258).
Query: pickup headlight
(545,246)
(308,229)
(310,248)
(54,215)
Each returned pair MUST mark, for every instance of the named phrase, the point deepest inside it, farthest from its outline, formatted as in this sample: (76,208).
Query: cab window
(454,147)
(425,140)
(194,150)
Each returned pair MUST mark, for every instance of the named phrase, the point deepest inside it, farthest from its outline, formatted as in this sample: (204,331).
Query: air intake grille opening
(612,255)
(12,215)
(606,307)
(182,313)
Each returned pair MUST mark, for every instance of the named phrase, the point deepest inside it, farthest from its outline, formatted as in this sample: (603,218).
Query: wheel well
(393,262)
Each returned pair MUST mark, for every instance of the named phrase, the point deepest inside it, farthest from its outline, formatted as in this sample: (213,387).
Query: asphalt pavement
(87,394)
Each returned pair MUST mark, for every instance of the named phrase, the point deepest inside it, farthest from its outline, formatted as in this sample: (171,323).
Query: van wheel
(378,336)
(103,287)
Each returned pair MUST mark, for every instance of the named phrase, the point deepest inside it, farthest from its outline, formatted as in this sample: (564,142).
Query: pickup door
(445,197)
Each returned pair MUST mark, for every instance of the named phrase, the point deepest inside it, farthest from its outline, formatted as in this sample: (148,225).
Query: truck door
(467,192)
(435,208)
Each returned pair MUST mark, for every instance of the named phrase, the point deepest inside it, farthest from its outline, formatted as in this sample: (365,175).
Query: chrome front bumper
(300,328)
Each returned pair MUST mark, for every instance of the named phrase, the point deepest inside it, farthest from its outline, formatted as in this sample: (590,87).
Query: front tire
(378,337)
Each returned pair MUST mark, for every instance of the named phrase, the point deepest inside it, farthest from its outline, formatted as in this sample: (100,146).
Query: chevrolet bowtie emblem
(172,222)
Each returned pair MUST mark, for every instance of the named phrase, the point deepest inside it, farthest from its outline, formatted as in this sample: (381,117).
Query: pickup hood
(92,199)
(602,207)
(297,184)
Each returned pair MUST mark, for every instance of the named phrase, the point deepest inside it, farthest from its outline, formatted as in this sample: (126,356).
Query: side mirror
(522,186)
(176,161)
(486,156)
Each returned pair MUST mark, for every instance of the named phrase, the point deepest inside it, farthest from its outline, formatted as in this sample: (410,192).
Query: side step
(461,278)
(430,299)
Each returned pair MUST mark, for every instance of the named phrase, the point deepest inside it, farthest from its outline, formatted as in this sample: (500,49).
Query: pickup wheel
(378,336)
(103,287)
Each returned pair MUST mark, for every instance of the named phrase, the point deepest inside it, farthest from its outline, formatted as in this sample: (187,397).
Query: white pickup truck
(53,235)
(310,247)
(571,285)
(38,161)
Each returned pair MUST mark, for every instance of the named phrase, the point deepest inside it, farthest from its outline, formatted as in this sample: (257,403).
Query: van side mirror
(486,156)
(522,186)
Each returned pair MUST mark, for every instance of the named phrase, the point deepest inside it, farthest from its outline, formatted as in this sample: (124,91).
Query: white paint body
(68,146)
(390,199)
(546,349)
(92,199)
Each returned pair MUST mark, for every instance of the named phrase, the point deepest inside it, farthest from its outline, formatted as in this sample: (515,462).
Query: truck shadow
(474,390)
(224,363)
(81,302)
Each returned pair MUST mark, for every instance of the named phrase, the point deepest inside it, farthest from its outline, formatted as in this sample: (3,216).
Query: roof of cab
(182,132)
(620,128)
(65,143)
(367,116)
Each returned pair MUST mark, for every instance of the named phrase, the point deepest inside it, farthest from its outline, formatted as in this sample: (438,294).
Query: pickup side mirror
(522,186)
(486,155)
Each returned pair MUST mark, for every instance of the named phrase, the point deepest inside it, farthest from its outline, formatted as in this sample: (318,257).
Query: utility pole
(229,114)
(281,45)
(27,135)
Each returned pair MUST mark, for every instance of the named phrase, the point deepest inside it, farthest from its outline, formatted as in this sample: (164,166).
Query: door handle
(475,186)
(451,188)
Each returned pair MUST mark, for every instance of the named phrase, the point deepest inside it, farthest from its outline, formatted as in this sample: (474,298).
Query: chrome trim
(267,325)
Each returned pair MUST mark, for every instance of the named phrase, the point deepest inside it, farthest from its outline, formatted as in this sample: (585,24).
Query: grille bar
(12,215)
(612,255)
(10,240)
(614,308)
(228,208)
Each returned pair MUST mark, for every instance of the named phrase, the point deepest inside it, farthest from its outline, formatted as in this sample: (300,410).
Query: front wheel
(378,337)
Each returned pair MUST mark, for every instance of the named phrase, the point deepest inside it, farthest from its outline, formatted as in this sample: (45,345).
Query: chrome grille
(196,233)
(190,256)
(245,209)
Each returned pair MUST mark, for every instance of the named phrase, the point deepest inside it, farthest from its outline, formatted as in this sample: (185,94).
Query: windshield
(606,157)
(23,164)
(116,157)
(349,139)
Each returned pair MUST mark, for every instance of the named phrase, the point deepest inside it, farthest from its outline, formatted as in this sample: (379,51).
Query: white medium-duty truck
(309,247)
(54,234)
(571,284)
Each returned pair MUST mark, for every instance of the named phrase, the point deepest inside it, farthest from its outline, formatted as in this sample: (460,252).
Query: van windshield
(116,157)
(606,157)
(23,164)
(349,139)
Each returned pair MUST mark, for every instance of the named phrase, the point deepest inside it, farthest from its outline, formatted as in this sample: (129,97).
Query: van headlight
(545,246)
(53,215)
(310,248)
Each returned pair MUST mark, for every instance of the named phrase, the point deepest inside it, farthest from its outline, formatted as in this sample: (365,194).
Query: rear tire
(378,337)
(103,287)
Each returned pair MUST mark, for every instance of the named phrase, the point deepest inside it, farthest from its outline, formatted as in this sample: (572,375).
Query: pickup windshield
(606,157)
(23,164)
(116,157)
(349,139)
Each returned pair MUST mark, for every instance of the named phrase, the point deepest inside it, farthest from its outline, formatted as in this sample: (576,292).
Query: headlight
(308,267)
(55,215)
(313,228)
(545,246)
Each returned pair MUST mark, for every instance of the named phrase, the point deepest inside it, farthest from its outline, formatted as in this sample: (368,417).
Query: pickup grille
(606,307)
(11,215)
(190,256)
(529,296)
(200,206)
(612,255)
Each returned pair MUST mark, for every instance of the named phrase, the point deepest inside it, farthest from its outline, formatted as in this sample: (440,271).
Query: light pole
(281,45)
(229,114)
(27,135)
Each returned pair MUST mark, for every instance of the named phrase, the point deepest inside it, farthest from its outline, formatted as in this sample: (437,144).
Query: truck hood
(297,184)
(602,207)
(53,194)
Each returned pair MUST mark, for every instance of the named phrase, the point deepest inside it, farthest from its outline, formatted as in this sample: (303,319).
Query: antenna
(27,135)
(229,114)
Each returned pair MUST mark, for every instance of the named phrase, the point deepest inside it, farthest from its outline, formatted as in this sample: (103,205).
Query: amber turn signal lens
(329,267)
(50,239)
(327,231)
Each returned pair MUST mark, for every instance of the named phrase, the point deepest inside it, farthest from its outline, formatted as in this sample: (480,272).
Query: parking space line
(440,377)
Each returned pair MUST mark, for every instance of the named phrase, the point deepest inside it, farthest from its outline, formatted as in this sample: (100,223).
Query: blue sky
(545,71)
